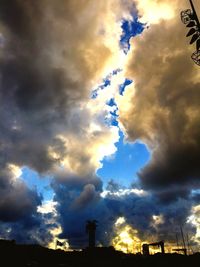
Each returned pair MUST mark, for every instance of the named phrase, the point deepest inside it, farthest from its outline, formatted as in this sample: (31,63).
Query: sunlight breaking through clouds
(106,69)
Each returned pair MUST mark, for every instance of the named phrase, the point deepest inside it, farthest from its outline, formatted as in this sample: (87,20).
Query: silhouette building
(145,247)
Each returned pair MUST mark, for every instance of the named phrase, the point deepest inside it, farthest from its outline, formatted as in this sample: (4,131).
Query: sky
(99,119)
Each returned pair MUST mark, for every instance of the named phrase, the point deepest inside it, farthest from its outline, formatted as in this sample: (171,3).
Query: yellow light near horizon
(123,242)
(126,239)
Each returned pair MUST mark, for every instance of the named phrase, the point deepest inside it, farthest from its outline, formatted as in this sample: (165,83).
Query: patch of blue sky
(130,29)
(111,102)
(106,82)
(112,119)
(41,184)
(124,165)
(122,87)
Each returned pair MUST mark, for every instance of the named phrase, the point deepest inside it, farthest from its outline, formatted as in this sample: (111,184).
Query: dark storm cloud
(32,91)
(15,16)
(47,61)
(19,217)
(74,209)
(164,111)
(77,199)
(44,75)
(87,196)
(22,203)
(30,229)
(177,159)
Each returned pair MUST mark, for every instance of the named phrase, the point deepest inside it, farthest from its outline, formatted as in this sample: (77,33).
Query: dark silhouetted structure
(13,255)
(189,17)
(184,250)
(145,247)
(91,230)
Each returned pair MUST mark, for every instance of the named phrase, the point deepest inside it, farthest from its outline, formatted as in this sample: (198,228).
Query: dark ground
(34,255)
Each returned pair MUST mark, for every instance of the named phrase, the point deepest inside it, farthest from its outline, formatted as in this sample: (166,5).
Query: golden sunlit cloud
(152,11)
(16,171)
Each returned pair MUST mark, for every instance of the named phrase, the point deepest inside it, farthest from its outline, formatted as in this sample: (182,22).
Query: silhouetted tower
(91,230)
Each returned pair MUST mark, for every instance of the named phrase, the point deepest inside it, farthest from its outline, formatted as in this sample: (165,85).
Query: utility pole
(190,18)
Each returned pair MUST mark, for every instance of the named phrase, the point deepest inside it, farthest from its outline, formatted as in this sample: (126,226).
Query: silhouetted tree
(190,18)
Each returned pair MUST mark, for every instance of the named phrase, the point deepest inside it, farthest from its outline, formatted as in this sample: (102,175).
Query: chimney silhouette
(91,230)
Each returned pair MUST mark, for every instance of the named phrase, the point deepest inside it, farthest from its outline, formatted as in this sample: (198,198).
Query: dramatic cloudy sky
(99,119)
